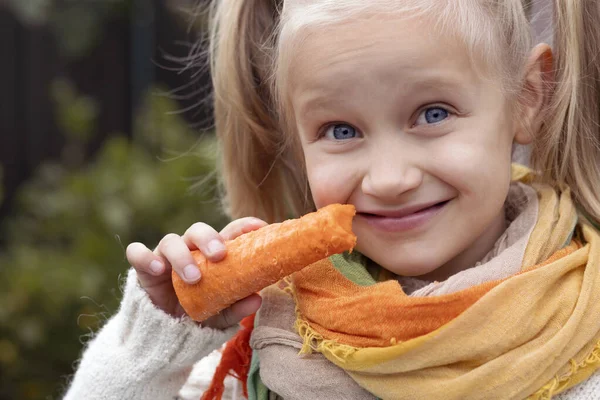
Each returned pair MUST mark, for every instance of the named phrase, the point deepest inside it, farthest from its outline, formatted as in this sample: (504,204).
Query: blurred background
(104,139)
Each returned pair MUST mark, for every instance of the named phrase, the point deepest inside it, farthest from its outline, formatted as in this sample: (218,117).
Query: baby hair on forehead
(252,43)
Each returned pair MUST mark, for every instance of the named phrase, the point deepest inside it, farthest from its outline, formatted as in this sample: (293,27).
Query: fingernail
(191,273)
(215,246)
(156,267)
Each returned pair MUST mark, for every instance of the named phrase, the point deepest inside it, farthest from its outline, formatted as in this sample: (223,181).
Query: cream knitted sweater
(144,354)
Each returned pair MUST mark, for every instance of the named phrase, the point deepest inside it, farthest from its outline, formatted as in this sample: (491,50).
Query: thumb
(234,313)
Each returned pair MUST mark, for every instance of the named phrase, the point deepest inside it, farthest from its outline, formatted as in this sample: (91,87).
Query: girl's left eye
(432,115)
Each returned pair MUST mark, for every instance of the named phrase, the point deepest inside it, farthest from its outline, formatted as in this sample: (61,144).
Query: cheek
(332,179)
(477,164)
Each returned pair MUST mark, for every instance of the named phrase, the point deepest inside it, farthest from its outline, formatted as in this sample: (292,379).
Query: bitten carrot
(260,258)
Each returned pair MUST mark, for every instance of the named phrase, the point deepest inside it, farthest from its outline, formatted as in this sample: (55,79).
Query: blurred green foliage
(65,240)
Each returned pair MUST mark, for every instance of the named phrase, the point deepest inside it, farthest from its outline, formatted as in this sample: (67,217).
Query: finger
(235,313)
(240,226)
(144,260)
(176,252)
(206,239)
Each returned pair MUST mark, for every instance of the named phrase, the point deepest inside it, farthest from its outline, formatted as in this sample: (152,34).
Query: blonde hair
(252,41)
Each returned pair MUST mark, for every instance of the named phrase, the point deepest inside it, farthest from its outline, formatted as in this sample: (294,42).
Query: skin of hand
(174,252)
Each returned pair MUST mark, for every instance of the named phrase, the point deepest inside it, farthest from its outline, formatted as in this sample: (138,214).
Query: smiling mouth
(400,215)
(403,220)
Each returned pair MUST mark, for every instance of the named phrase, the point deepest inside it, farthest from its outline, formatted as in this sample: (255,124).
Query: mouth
(404,219)
(405,212)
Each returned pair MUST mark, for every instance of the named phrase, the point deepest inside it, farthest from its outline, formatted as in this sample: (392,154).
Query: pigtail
(256,162)
(568,149)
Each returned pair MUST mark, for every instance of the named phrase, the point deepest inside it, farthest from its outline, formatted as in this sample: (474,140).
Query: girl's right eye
(340,132)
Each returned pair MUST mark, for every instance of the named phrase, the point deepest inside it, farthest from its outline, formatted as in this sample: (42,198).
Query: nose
(391,173)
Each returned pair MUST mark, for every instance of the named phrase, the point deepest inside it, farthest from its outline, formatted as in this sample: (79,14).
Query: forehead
(398,50)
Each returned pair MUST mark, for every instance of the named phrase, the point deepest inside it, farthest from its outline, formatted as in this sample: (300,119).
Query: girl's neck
(474,253)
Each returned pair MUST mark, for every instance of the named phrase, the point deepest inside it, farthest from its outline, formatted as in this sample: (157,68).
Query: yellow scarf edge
(578,372)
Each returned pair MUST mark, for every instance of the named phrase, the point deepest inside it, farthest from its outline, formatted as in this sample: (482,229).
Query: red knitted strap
(235,361)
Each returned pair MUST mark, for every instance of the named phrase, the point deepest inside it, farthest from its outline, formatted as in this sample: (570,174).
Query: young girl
(473,278)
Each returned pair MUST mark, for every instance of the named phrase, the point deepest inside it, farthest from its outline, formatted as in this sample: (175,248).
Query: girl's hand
(174,252)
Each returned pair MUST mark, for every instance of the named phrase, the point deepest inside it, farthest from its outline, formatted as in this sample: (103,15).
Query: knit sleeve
(201,377)
(141,352)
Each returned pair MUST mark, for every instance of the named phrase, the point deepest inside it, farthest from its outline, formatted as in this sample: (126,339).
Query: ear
(535,91)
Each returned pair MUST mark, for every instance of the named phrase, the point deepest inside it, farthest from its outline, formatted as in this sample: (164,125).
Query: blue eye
(341,132)
(432,115)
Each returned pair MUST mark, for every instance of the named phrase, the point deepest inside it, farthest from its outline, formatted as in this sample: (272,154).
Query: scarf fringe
(312,340)
(559,384)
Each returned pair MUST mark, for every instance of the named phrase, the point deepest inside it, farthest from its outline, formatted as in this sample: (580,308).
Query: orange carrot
(260,258)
